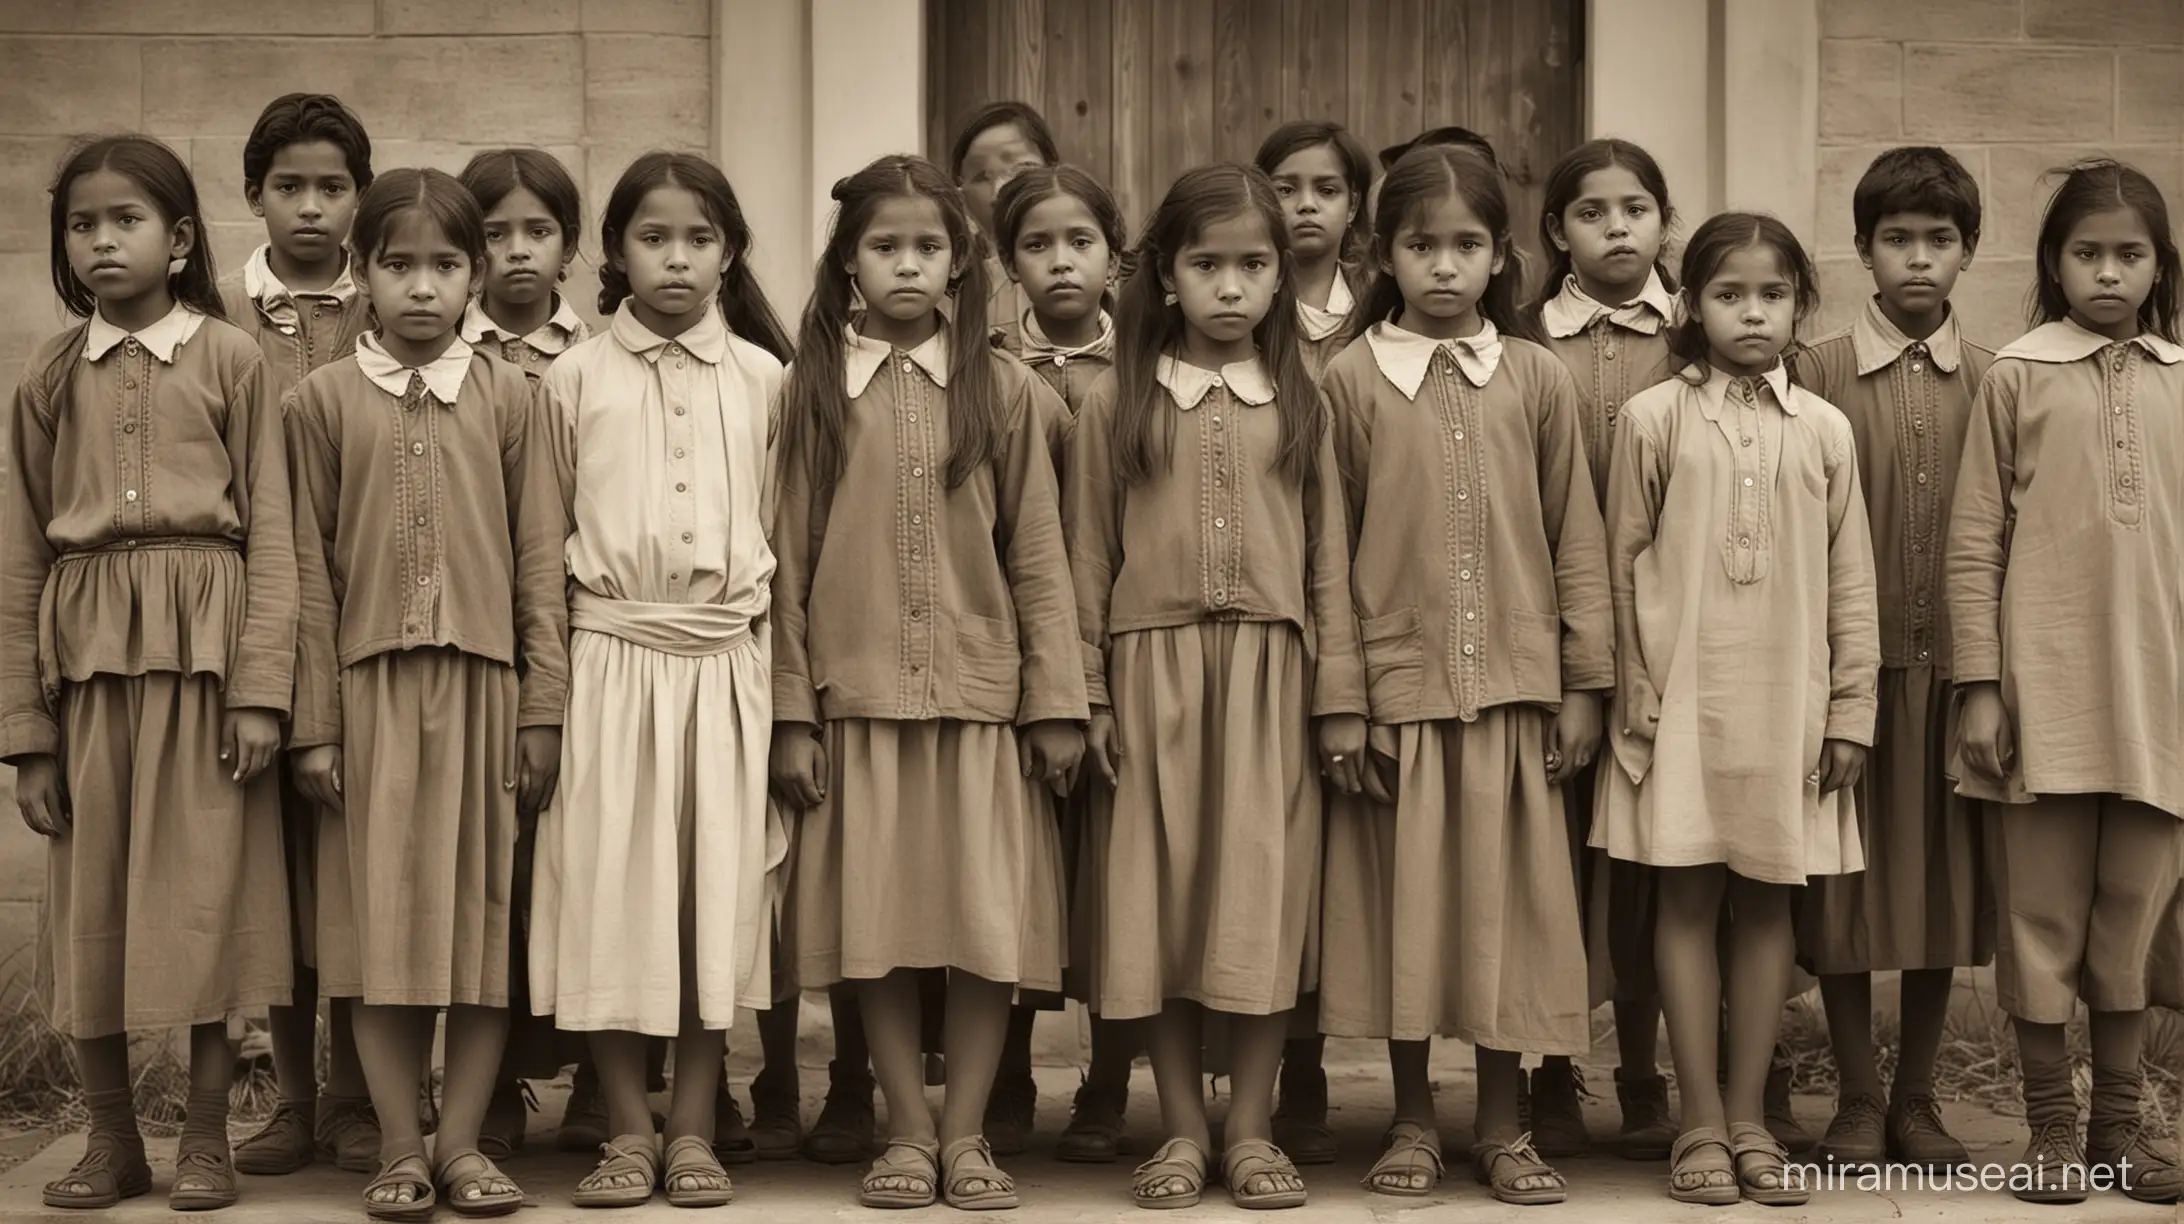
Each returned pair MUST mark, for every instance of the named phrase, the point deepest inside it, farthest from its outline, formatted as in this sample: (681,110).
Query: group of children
(1291,619)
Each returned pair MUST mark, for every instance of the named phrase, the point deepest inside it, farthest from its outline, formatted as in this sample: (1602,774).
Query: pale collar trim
(266,289)
(162,339)
(708,341)
(1038,348)
(1877,341)
(559,334)
(443,375)
(1572,310)
(865,356)
(1318,324)
(2064,341)
(1714,392)
(1405,356)
(1188,384)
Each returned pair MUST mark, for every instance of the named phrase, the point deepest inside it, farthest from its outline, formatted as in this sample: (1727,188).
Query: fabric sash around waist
(49,629)
(690,630)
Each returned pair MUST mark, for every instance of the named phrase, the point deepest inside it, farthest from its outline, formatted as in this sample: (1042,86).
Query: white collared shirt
(864,357)
(1318,323)
(443,375)
(558,335)
(2065,341)
(1405,356)
(1878,342)
(160,339)
(276,301)
(1188,384)
(1572,310)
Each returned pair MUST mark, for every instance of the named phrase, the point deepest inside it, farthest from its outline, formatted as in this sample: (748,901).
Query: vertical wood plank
(1019,50)
(1181,134)
(939,24)
(1487,80)
(1387,78)
(1444,99)
(1133,98)
(1078,98)
(1316,41)
(1250,76)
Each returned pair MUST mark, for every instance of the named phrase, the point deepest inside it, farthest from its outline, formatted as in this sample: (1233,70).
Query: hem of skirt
(1836,968)
(1573,1047)
(412,998)
(1138,1010)
(243,1001)
(819,976)
(1703,860)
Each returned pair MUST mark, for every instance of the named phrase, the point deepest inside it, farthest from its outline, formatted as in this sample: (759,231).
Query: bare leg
(1638,1036)
(391,1041)
(1690,973)
(293,1029)
(344,1067)
(891,1008)
(1408,1068)
(1175,1044)
(1765,951)
(976,1026)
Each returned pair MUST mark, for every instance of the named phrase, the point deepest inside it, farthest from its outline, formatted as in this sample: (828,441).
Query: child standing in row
(432,672)
(1482,594)
(305,164)
(654,902)
(1747,647)
(1904,375)
(999,141)
(1607,307)
(150,607)
(1321,174)
(922,615)
(2062,585)
(1212,567)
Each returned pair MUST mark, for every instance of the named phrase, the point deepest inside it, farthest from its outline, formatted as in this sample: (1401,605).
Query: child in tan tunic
(1321,173)
(1747,650)
(1481,585)
(150,609)
(1607,306)
(1061,239)
(431,676)
(1904,375)
(921,617)
(1212,568)
(306,160)
(2063,585)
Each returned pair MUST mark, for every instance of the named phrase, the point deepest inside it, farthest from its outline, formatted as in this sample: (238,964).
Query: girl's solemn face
(525,249)
(117,242)
(2107,270)
(1612,230)
(1062,258)
(1443,257)
(1749,310)
(1316,202)
(904,258)
(1225,280)
(418,282)
(672,253)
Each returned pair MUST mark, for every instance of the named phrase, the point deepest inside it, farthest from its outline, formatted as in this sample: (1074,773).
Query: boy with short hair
(1906,377)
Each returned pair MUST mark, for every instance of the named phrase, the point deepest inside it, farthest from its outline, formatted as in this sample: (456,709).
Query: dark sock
(2119,1040)
(113,1113)
(206,1123)
(2045,1064)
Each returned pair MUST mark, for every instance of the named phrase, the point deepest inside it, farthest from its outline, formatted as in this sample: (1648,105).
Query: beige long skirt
(1923,900)
(931,851)
(1454,913)
(166,903)
(416,870)
(1209,846)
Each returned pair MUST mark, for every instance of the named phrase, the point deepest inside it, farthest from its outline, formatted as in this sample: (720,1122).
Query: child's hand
(1841,765)
(1637,706)
(1103,746)
(1990,750)
(1050,750)
(1342,751)
(41,794)
(248,740)
(799,765)
(538,768)
(1577,737)
(1383,765)
(318,774)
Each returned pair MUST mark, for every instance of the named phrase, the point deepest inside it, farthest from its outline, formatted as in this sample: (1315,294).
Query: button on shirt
(899,597)
(1218,533)
(2062,572)
(298,332)
(534,352)
(1613,352)
(1481,564)
(425,517)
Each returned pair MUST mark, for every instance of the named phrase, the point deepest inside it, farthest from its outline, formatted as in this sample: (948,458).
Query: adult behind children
(148,580)
(412,721)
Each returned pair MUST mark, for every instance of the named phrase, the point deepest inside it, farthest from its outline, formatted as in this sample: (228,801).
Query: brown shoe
(282,1146)
(2145,1168)
(1011,1113)
(1558,1114)
(1649,1130)
(2052,1170)
(347,1133)
(777,1124)
(1781,1119)
(1094,1134)
(842,1134)
(1300,1120)
(1857,1135)
(1917,1137)
(584,1121)
(732,1142)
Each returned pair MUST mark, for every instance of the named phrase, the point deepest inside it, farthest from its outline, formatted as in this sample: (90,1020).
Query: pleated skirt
(931,851)
(1923,900)
(1209,847)
(416,871)
(167,903)
(1454,913)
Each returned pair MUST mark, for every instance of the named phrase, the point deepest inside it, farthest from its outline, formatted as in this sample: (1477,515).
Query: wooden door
(1139,90)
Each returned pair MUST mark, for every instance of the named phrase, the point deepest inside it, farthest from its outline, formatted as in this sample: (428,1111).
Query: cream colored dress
(661,841)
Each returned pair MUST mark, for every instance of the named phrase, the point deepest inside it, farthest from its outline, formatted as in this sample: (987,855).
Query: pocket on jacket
(988,666)
(1535,646)
(1395,663)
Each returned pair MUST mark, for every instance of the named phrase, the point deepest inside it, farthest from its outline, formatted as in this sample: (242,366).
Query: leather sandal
(1178,1160)
(1410,1150)
(467,1193)
(2144,1170)
(621,1158)
(204,1176)
(402,1173)
(111,1169)
(1500,1166)
(1759,1155)
(694,1176)
(983,1186)
(1253,1159)
(912,1160)
(1693,1177)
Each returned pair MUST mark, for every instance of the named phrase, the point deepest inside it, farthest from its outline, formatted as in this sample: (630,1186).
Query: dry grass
(39,1091)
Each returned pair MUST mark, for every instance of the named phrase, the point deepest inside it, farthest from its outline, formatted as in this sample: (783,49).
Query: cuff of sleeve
(259,694)
(1592,677)
(1342,698)
(795,702)
(1973,665)
(1050,709)
(309,732)
(29,734)
(1851,722)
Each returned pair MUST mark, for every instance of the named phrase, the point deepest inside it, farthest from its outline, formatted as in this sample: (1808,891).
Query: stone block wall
(2013,88)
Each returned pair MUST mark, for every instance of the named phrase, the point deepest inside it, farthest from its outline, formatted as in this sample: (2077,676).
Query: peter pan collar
(2064,341)
(1714,392)
(161,339)
(1318,324)
(559,334)
(1188,384)
(266,289)
(865,356)
(1572,310)
(707,341)
(443,375)
(1038,348)
(1405,356)
(1877,341)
